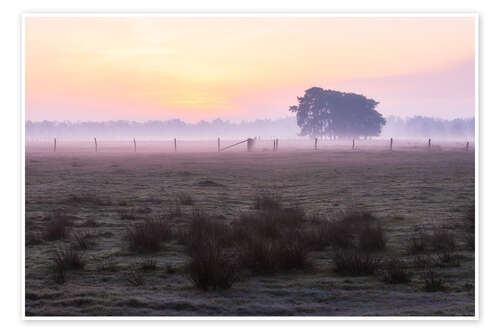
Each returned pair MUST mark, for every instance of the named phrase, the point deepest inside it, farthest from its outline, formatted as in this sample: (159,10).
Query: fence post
(352,143)
(315,143)
(276,144)
(391,145)
(95,143)
(467,146)
(175,145)
(135,146)
(429,144)
(55,143)
(218,145)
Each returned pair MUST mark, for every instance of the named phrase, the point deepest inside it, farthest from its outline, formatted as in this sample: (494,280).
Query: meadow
(298,232)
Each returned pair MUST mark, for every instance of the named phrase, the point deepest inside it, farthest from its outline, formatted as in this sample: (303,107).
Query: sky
(243,68)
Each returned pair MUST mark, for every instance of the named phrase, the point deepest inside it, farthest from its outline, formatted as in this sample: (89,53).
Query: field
(410,192)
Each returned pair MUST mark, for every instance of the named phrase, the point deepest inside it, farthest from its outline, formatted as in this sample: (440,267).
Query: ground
(408,190)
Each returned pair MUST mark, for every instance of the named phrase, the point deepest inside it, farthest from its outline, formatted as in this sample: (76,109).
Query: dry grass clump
(371,238)
(267,201)
(359,230)
(33,238)
(355,263)
(432,282)
(208,241)
(396,272)
(442,240)
(266,256)
(185,198)
(210,267)
(203,226)
(148,265)
(82,241)
(417,244)
(272,240)
(269,223)
(57,226)
(66,259)
(127,214)
(148,236)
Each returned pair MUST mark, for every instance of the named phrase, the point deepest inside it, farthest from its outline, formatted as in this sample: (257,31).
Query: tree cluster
(330,113)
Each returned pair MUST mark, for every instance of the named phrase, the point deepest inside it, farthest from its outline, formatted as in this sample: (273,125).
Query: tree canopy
(323,112)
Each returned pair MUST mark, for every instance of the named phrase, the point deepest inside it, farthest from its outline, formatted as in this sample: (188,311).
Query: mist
(285,128)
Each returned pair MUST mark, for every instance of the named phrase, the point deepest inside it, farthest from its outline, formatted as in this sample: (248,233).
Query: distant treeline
(417,126)
(158,130)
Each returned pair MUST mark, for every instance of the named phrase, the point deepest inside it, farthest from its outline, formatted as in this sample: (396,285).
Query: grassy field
(413,195)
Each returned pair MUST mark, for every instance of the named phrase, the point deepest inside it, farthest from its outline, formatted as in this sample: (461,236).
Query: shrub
(185,199)
(203,226)
(371,238)
(265,256)
(56,228)
(396,272)
(432,282)
(354,263)
(210,268)
(267,201)
(148,236)
(269,224)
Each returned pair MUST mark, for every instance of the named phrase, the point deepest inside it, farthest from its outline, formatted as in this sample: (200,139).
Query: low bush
(148,236)
(209,268)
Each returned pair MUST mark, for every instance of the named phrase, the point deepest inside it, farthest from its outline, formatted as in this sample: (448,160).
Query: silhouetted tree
(323,112)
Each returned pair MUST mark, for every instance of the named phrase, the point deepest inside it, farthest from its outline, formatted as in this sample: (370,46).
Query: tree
(323,112)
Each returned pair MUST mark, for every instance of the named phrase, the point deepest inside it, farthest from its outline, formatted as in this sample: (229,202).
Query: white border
(267,13)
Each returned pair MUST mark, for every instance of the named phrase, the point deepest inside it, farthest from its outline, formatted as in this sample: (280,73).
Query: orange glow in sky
(193,68)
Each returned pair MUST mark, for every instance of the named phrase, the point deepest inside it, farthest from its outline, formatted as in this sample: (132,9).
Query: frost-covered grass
(409,193)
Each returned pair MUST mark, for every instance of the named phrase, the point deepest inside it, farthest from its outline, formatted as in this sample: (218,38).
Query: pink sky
(193,68)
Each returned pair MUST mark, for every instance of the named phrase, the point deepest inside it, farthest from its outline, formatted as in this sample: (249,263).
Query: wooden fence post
(55,143)
(276,144)
(218,145)
(95,143)
(175,145)
(135,146)
(429,144)
(352,143)
(391,145)
(467,146)
(315,143)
